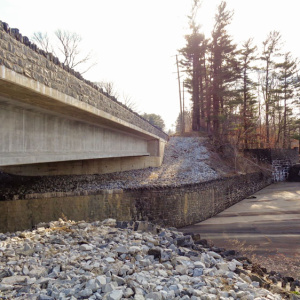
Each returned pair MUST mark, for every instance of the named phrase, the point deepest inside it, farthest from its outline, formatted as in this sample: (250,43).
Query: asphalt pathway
(265,224)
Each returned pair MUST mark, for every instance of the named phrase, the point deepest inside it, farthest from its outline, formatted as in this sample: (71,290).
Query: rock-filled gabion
(118,260)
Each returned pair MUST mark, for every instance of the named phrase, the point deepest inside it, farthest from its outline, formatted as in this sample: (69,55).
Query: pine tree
(193,54)
(270,51)
(287,85)
(224,64)
(247,56)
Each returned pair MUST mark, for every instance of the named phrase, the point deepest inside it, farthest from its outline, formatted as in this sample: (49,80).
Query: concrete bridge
(55,122)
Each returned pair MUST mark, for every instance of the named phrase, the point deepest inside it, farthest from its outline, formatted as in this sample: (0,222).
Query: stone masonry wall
(20,55)
(189,204)
(269,155)
(170,206)
(280,159)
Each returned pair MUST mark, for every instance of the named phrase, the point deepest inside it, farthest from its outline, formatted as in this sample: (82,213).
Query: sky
(134,42)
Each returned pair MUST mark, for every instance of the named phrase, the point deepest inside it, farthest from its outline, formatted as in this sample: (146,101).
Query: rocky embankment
(186,161)
(118,260)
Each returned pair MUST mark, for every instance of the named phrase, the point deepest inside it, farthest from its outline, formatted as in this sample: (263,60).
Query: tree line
(240,94)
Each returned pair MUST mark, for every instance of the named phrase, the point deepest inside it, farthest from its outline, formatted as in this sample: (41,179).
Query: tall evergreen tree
(193,53)
(288,84)
(270,50)
(247,56)
(224,63)
(225,96)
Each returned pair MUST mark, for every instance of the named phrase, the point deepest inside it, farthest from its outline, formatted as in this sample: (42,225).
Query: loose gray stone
(154,296)
(109,287)
(121,249)
(93,261)
(86,292)
(85,247)
(115,295)
(14,279)
(6,287)
(45,297)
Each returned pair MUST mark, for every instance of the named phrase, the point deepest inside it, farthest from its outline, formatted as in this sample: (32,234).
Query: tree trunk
(196,108)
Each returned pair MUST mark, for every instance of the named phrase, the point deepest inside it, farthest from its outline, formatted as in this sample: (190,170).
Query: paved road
(270,222)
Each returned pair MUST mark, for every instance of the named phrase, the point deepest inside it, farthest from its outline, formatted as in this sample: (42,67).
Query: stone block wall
(17,53)
(169,206)
(189,204)
(280,159)
(268,155)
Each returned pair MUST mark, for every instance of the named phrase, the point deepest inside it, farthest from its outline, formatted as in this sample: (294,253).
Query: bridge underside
(45,132)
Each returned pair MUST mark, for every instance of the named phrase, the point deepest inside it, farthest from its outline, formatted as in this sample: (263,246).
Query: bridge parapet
(54,122)
(18,54)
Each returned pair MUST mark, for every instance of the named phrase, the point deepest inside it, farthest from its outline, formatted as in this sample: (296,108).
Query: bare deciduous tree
(43,41)
(108,87)
(127,100)
(68,49)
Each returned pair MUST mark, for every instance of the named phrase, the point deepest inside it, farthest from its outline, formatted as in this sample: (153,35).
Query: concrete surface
(33,136)
(269,221)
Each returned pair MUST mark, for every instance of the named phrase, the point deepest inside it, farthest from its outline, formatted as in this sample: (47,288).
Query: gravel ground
(118,260)
(186,160)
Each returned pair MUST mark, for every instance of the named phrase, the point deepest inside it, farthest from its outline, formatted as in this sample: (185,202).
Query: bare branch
(42,40)
(108,87)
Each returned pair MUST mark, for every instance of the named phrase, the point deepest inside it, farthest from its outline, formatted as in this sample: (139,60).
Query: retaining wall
(169,206)
(280,159)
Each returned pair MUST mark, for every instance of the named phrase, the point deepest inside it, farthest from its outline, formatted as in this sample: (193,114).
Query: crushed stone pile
(119,260)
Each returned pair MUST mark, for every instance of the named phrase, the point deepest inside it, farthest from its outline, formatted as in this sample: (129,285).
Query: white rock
(199,264)
(121,249)
(25,270)
(85,247)
(109,222)
(231,266)
(102,280)
(134,249)
(38,272)
(86,292)
(30,281)
(115,295)
(109,259)
(145,262)
(128,293)
(214,254)
(118,280)
(93,284)
(154,296)
(6,287)
(162,273)
(9,253)
(109,287)
(139,297)
(181,269)
(14,279)
(223,266)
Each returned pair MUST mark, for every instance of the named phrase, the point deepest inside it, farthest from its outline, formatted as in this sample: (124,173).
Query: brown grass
(272,260)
